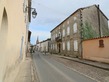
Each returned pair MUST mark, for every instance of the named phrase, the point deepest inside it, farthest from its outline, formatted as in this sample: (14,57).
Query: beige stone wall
(75,18)
(92,16)
(12,35)
(92,51)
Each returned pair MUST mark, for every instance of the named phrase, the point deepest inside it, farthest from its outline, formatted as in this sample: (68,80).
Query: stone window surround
(63,45)
(75,28)
(68,45)
(75,45)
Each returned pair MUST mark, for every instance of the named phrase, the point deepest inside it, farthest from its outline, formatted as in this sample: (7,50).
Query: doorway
(59,46)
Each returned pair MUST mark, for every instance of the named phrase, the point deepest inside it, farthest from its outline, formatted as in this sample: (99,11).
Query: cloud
(41,34)
(53,12)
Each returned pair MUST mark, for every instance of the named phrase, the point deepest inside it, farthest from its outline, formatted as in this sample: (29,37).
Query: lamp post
(34,13)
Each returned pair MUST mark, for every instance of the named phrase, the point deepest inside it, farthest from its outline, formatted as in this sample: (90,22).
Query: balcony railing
(58,39)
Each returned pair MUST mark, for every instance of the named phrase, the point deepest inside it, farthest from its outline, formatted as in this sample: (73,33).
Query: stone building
(84,23)
(45,45)
(14,22)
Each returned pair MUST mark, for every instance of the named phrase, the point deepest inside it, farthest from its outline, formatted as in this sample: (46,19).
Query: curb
(34,73)
(84,63)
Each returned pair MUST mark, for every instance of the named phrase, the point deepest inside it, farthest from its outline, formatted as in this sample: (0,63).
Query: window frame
(68,45)
(63,45)
(63,33)
(101,43)
(68,30)
(75,28)
(75,43)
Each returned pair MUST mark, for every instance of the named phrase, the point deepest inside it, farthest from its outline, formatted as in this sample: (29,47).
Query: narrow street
(50,70)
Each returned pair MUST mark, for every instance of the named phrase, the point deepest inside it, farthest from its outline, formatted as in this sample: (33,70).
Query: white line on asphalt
(70,80)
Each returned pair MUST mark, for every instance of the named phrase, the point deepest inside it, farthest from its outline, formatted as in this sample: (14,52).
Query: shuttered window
(75,28)
(68,30)
(75,45)
(101,43)
(68,45)
(63,45)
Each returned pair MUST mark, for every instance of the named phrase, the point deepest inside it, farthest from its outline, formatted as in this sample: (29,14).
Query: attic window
(101,43)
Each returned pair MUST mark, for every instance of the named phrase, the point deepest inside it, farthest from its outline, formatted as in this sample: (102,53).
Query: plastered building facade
(96,49)
(14,22)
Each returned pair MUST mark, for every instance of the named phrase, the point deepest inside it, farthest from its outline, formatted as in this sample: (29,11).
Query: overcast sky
(53,12)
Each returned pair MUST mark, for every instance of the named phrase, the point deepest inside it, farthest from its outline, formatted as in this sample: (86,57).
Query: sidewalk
(88,62)
(26,72)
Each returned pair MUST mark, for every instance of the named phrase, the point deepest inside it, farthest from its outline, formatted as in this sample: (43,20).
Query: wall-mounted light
(34,13)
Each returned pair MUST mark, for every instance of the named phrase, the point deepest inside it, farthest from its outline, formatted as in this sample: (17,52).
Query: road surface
(50,70)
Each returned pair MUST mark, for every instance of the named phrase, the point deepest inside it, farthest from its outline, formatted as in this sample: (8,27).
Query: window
(101,43)
(59,28)
(67,22)
(55,46)
(63,45)
(59,34)
(56,35)
(74,18)
(51,37)
(75,45)
(68,45)
(68,30)
(75,28)
(108,24)
(63,32)
(51,46)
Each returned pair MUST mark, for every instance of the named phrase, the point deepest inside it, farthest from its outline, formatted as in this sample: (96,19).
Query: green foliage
(88,32)
(105,31)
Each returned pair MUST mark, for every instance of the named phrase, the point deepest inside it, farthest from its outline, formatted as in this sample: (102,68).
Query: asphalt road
(50,70)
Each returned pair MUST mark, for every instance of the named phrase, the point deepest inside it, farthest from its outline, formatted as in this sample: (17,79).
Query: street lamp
(34,13)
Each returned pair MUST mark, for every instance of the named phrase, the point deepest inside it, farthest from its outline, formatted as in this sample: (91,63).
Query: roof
(66,19)
(101,12)
(77,11)
(45,40)
(97,38)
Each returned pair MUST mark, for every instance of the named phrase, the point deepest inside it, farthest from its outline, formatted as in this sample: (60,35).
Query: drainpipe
(81,53)
(99,21)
